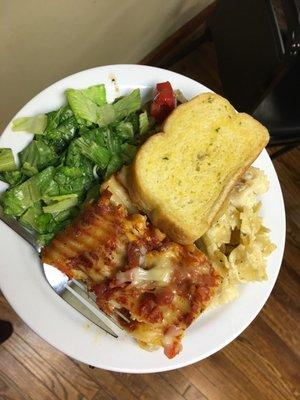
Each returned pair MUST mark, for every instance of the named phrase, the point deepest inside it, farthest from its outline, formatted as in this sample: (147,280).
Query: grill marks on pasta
(132,267)
(92,244)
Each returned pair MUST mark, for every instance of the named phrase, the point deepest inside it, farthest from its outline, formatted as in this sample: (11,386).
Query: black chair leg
(6,330)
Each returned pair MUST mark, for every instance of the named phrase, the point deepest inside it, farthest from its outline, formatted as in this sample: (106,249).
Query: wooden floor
(262,363)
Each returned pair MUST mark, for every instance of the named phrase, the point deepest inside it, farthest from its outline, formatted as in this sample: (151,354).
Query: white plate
(23,284)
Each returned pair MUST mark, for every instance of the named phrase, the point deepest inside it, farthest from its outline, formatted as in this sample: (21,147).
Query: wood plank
(231,372)
(213,370)
(23,378)
(103,395)
(8,390)
(286,289)
(176,380)
(205,386)
(276,353)
(193,393)
(62,364)
(258,369)
(108,381)
(286,326)
(137,386)
(162,388)
(31,360)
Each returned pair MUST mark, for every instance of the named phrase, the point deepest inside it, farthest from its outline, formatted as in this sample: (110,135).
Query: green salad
(73,149)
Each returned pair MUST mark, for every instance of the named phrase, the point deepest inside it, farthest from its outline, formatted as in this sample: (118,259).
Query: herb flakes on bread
(181,176)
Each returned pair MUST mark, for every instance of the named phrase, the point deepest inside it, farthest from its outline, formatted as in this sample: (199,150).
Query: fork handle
(16,227)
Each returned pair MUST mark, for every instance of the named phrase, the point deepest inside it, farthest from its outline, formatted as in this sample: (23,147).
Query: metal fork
(73,292)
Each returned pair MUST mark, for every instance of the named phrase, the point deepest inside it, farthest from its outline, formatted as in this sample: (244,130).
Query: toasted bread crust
(186,232)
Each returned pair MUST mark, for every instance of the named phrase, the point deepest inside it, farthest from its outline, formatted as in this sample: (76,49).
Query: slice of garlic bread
(181,176)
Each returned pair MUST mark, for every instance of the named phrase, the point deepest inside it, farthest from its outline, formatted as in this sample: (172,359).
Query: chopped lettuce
(13,178)
(17,200)
(62,204)
(112,142)
(85,102)
(128,104)
(35,125)
(98,154)
(74,180)
(61,128)
(7,161)
(30,217)
(144,123)
(114,165)
(96,93)
(105,115)
(44,238)
(54,199)
(133,118)
(97,135)
(75,158)
(128,152)
(37,156)
(86,108)
(124,130)
(55,118)
(85,138)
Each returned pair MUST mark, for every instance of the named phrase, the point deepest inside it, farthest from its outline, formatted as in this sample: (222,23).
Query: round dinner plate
(25,288)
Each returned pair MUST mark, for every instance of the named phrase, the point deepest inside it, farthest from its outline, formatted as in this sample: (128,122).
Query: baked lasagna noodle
(159,286)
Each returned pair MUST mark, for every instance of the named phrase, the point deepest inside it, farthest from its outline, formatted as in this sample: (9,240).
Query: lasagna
(158,286)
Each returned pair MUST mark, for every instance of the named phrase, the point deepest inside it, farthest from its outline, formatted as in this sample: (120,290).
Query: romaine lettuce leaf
(85,102)
(84,108)
(62,204)
(143,123)
(128,152)
(13,178)
(7,161)
(35,125)
(96,93)
(60,137)
(73,179)
(124,131)
(55,118)
(98,154)
(17,200)
(37,156)
(61,128)
(29,218)
(75,158)
(133,118)
(128,104)
(114,165)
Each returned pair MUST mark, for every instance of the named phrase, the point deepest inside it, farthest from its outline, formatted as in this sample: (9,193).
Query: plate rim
(228,339)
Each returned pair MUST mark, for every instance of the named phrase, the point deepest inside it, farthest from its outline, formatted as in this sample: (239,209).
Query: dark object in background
(258,44)
(6,330)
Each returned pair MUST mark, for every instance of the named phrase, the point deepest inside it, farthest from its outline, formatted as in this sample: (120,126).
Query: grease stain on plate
(113,79)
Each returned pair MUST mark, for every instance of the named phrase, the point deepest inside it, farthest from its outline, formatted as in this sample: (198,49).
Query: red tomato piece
(164,101)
